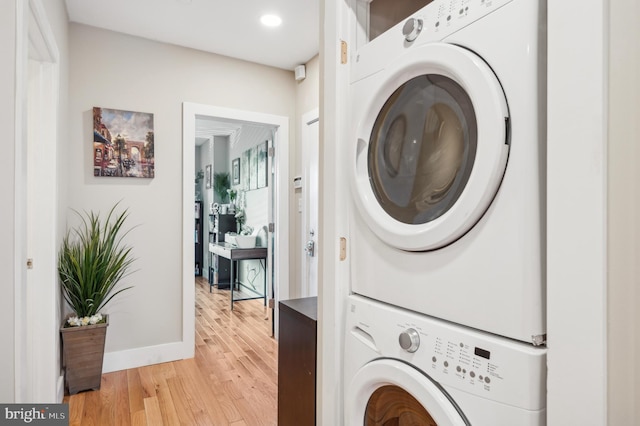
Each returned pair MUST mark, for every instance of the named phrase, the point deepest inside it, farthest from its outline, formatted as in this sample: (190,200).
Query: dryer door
(387,391)
(432,147)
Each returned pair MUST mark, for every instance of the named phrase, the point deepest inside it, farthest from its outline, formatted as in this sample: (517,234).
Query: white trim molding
(281,162)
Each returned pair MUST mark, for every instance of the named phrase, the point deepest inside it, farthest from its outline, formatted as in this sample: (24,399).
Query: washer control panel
(460,358)
(470,360)
(411,29)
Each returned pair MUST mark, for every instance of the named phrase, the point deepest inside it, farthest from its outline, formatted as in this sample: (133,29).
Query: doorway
(279,267)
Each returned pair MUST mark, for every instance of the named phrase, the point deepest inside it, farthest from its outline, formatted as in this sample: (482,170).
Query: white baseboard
(148,355)
(60,389)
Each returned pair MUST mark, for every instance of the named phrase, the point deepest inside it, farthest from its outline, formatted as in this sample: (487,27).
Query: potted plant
(232,195)
(91,262)
(221,183)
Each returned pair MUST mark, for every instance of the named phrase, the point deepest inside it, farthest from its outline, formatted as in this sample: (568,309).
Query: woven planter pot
(83,352)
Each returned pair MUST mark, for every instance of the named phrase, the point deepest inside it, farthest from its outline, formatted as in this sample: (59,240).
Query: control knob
(411,29)
(409,340)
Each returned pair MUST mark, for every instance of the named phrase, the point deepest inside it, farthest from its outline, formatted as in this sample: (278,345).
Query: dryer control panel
(470,360)
(437,20)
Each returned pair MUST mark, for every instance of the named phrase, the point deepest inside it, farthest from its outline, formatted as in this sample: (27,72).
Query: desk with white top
(235,254)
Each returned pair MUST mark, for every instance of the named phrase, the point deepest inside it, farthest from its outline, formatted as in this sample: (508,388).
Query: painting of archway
(123,143)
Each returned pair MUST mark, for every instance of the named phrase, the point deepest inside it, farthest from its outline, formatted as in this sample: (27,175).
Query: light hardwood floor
(232,380)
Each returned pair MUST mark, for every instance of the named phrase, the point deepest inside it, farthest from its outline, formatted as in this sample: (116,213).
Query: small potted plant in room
(221,183)
(240,218)
(91,262)
(232,195)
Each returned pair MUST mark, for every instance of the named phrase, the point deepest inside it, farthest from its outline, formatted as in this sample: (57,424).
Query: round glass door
(422,149)
(391,405)
(387,392)
(431,146)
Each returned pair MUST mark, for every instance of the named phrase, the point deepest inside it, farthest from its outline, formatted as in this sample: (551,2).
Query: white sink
(246,241)
(230,238)
(240,241)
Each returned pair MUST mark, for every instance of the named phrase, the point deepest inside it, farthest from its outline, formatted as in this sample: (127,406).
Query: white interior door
(38,378)
(310,231)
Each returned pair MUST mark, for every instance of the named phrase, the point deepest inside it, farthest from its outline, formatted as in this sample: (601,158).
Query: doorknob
(310,248)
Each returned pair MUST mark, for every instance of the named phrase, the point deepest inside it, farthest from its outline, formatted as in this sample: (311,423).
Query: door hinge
(272,303)
(539,339)
(343,248)
(343,52)
(272,227)
(272,151)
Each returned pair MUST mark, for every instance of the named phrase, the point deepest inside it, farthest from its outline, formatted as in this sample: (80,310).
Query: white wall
(624,214)
(576,212)
(118,71)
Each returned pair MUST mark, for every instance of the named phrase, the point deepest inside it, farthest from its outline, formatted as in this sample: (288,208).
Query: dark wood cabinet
(297,348)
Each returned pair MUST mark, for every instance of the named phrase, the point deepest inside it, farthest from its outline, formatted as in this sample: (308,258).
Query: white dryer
(447,165)
(403,368)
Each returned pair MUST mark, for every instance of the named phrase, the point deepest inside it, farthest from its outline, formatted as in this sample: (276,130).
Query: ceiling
(206,127)
(226,27)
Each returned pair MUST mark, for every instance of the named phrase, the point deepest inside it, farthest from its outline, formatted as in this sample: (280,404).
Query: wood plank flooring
(233,379)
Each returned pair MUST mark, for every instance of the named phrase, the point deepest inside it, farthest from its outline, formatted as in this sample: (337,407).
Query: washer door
(432,147)
(390,392)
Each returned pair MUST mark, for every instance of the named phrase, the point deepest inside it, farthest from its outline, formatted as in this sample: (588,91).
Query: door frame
(281,236)
(308,119)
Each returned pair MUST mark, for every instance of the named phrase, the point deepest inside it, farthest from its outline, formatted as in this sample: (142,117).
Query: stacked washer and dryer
(446,316)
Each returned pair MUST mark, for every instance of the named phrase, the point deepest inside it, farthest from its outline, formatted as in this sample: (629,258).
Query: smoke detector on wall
(300,72)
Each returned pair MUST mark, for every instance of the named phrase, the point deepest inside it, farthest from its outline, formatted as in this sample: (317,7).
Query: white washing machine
(404,368)
(447,165)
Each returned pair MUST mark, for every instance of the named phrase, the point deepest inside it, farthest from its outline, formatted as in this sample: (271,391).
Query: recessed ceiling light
(271,20)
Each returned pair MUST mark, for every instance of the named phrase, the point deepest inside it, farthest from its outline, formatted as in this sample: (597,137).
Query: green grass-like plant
(93,260)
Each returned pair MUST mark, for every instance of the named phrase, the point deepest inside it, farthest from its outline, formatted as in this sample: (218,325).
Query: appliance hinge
(539,339)
(507,131)
(343,52)
(272,151)
(272,227)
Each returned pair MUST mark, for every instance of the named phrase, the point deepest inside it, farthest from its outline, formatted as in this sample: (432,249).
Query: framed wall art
(123,143)
(235,171)
(244,170)
(253,168)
